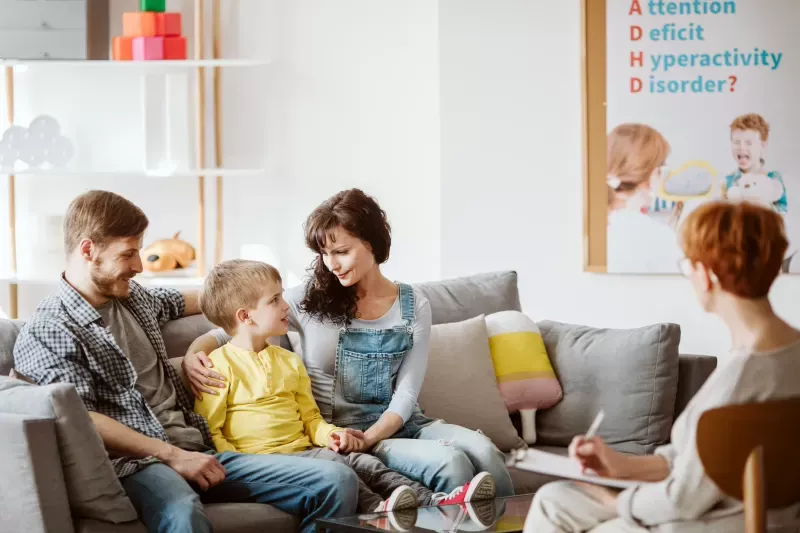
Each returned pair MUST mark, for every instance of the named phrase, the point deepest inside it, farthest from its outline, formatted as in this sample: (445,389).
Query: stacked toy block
(150,34)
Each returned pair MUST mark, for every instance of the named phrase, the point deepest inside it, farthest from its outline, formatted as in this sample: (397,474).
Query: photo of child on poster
(699,107)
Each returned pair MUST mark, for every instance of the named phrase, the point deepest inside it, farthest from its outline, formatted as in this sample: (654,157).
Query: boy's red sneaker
(481,487)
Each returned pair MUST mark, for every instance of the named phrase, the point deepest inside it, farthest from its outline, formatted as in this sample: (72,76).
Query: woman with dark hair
(364,340)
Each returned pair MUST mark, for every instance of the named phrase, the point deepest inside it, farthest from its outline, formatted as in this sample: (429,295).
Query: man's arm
(129,443)
(191,302)
(167,303)
(47,352)
(201,468)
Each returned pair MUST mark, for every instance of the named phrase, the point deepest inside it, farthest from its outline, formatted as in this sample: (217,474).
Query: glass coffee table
(501,515)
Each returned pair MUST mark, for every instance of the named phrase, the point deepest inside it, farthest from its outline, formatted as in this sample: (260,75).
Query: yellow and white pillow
(525,377)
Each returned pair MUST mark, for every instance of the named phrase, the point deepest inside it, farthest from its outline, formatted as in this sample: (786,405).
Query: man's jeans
(307,488)
(445,456)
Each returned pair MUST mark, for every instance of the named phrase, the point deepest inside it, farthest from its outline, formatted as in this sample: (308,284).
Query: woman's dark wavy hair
(360,216)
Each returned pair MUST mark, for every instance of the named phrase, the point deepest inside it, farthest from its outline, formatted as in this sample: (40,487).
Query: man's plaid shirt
(66,341)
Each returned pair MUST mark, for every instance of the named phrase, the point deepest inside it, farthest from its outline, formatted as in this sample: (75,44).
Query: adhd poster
(701,104)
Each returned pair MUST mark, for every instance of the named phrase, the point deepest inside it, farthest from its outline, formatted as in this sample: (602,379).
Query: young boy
(749,136)
(267,406)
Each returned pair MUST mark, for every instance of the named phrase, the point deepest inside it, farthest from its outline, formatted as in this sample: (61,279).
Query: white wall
(511,173)
(461,116)
(349,100)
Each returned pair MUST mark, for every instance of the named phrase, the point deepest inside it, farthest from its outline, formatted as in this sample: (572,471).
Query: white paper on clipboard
(565,467)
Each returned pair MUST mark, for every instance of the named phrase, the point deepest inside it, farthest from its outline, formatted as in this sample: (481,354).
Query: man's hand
(201,468)
(347,441)
(197,367)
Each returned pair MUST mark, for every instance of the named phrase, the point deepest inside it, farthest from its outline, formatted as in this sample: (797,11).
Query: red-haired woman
(733,253)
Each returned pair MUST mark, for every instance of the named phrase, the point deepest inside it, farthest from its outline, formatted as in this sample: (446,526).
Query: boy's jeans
(445,456)
(309,489)
(375,480)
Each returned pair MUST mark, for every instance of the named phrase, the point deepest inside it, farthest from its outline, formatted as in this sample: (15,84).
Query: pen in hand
(590,433)
(595,425)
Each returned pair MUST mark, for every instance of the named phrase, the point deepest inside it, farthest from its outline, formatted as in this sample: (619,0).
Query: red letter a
(635,8)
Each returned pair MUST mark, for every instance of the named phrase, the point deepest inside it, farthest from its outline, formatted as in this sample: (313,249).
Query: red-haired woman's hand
(594,454)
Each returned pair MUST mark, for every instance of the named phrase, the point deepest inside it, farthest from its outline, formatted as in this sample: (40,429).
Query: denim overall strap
(367,363)
(408,306)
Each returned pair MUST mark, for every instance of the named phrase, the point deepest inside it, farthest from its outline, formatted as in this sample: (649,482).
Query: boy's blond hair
(234,284)
(751,121)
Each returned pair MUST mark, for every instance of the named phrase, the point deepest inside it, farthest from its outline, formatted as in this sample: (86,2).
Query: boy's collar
(241,349)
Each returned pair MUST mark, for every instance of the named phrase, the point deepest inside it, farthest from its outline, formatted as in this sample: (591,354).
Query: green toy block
(153,5)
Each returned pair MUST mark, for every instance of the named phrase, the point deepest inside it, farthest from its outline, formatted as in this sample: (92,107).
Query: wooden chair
(750,451)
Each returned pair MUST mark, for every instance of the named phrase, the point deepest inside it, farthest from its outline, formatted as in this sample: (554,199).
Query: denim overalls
(367,362)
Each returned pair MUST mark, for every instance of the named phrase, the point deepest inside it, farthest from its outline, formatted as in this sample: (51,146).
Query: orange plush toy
(167,254)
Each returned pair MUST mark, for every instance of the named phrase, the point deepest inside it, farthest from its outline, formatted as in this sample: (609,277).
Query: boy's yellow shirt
(266,405)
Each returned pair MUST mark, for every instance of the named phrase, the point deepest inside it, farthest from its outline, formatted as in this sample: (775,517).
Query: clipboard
(564,467)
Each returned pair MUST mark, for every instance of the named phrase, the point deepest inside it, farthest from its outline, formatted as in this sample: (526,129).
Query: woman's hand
(197,367)
(594,454)
(347,441)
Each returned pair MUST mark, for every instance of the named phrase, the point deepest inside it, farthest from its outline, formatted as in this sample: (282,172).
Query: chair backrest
(726,437)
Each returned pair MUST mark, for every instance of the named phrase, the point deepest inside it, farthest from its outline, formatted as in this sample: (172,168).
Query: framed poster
(685,101)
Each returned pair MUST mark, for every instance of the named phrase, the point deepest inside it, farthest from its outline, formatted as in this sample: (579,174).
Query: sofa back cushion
(458,299)
(632,374)
(9,329)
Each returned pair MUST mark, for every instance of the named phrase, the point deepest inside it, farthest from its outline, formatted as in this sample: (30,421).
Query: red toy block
(174,47)
(139,24)
(148,48)
(168,24)
(122,48)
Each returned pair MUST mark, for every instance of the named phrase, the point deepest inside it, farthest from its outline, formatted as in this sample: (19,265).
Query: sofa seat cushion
(225,517)
(631,374)
(528,482)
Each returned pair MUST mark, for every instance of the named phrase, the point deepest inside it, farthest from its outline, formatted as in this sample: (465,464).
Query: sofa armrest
(693,371)
(33,496)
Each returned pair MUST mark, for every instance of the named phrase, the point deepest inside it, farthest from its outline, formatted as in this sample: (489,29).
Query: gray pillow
(93,489)
(460,385)
(632,374)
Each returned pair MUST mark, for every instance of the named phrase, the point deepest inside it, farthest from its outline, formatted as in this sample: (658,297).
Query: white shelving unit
(193,276)
(223,172)
(155,65)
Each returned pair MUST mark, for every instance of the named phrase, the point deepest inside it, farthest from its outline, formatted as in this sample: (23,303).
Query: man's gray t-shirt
(151,382)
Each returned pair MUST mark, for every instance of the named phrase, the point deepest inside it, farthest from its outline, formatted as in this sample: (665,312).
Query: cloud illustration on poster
(41,142)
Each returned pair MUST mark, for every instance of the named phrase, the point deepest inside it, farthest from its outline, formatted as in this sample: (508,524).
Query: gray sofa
(596,367)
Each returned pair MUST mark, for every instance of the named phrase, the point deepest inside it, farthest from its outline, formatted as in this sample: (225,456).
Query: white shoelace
(439,496)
